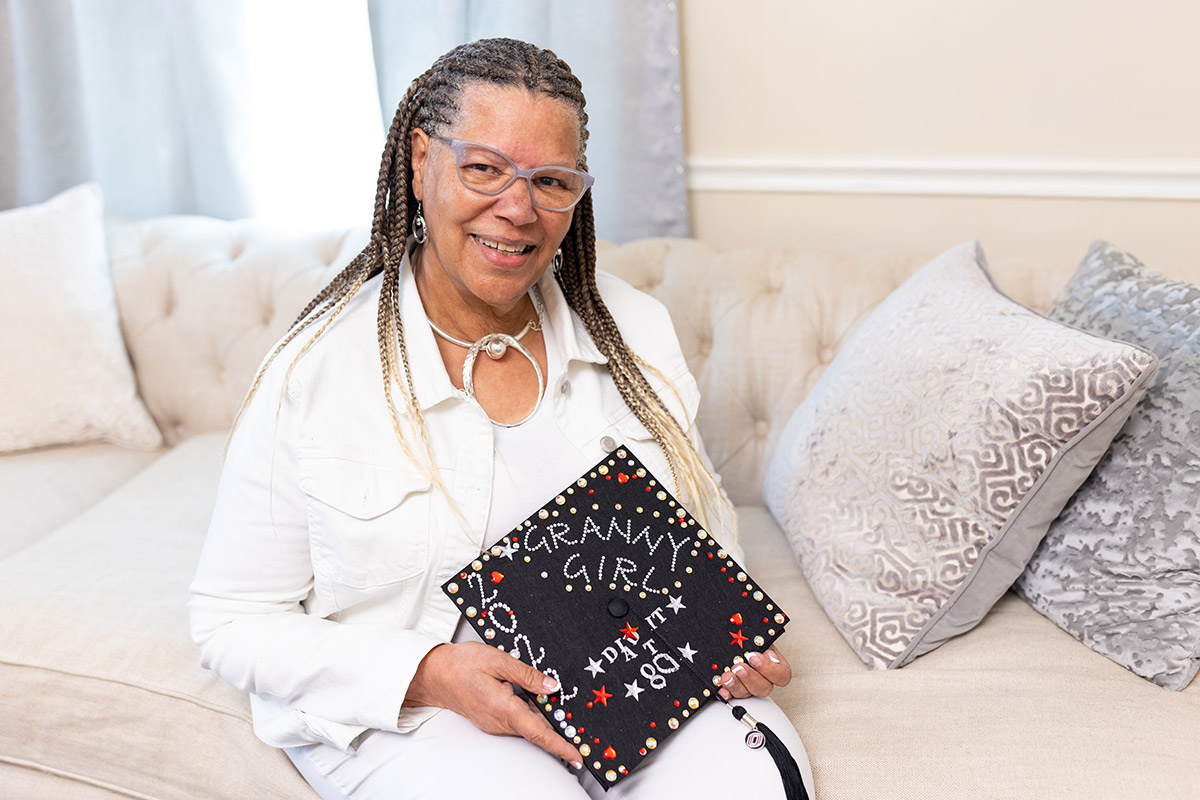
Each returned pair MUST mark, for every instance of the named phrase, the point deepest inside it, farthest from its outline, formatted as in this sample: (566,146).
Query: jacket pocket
(368,514)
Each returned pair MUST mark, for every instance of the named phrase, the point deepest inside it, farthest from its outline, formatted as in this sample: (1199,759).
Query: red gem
(715,666)
(595,741)
(622,477)
(609,752)
(737,638)
(641,751)
(710,555)
(589,705)
(462,574)
(676,703)
(497,577)
(602,695)
(731,579)
(745,594)
(630,632)
(608,477)
(482,614)
(647,488)
(621,769)
(591,491)
(653,724)
(736,619)
(568,715)
(722,569)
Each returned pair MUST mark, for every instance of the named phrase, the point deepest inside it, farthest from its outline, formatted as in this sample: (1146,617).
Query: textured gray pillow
(917,478)
(1120,568)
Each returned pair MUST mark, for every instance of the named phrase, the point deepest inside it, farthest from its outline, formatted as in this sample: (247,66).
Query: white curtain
(277,108)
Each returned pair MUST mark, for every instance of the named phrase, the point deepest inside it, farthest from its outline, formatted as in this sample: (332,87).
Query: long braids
(431,105)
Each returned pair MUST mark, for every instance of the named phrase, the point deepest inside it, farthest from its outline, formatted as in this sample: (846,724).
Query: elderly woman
(465,366)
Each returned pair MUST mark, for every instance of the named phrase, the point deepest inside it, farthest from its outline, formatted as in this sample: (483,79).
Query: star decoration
(594,667)
(507,550)
(737,637)
(602,695)
(633,690)
(630,632)
(687,652)
(676,604)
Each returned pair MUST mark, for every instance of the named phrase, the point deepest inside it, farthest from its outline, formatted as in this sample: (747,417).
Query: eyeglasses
(488,171)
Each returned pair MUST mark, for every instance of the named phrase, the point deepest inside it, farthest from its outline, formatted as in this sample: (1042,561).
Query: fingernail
(740,670)
(773,657)
(550,685)
(576,765)
(727,678)
(755,659)
(724,693)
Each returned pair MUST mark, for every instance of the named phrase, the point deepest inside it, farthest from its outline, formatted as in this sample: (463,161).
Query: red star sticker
(737,637)
(602,695)
(630,632)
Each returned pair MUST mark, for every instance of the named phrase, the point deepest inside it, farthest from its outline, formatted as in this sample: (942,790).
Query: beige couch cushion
(42,489)
(1017,708)
(99,682)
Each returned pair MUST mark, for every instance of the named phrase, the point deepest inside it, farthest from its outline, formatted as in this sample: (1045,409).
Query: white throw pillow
(66,376)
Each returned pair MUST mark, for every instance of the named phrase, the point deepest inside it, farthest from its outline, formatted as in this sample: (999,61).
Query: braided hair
(431,105)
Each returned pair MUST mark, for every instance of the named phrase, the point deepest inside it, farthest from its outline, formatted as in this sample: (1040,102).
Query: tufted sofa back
(202,301)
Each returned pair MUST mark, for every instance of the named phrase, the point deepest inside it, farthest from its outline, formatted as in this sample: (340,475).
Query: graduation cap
(616,591)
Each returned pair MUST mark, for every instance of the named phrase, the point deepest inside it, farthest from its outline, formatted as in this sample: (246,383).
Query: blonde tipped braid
(577,277)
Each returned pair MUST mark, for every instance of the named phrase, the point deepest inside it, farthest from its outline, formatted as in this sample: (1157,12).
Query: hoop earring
(558,261)
(419,231)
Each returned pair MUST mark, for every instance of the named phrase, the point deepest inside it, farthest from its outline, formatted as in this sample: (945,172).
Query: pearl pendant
(496,349)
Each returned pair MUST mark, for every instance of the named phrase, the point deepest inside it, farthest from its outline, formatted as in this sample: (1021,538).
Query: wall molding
(986,177)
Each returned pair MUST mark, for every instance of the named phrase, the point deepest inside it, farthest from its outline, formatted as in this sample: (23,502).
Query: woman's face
(492,249)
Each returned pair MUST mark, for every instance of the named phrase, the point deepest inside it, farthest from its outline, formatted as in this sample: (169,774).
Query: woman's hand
(476,681)
(758,677)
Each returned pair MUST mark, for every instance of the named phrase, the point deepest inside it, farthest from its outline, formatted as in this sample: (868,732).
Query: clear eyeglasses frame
(486,170)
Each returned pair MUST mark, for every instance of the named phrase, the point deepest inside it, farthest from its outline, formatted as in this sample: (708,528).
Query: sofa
(101,694)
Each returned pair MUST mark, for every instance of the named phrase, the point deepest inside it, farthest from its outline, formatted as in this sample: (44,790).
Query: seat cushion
(99,681)
(42,489)
(1017,709)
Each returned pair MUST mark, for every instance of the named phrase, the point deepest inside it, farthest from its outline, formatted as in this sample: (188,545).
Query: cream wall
(851,125)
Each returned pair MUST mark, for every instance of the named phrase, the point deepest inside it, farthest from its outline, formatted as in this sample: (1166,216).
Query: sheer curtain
(277,108)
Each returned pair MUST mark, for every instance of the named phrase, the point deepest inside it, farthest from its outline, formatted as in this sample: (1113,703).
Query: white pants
(448,757)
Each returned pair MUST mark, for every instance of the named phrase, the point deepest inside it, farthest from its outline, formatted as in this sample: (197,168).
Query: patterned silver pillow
(1120,567)
(917,478)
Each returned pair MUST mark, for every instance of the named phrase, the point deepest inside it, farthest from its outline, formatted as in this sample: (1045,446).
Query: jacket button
(608,444)
(565,387)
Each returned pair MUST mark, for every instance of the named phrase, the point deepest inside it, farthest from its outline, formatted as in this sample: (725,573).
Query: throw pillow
(67,378)
(919,475)
(1120,568)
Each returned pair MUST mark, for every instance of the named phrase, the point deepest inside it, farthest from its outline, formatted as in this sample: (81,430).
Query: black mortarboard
(613,588)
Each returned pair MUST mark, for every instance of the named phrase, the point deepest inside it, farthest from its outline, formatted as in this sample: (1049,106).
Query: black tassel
(789,771)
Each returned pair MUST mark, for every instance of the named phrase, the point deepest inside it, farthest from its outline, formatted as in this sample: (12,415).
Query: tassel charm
(759,736)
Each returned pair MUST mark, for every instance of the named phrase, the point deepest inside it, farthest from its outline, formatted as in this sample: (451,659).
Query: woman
(508,367)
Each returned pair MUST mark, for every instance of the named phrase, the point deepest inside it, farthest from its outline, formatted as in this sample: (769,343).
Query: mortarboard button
(618,607)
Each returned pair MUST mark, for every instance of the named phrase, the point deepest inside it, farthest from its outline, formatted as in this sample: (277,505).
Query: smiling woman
(362,501)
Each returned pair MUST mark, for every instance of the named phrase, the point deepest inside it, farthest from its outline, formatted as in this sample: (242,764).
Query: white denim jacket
(318,591)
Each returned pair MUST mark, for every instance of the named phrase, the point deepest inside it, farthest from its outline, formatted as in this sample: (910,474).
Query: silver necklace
(496,345)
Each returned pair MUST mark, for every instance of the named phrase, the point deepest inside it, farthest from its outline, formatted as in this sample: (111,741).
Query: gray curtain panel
(238,108)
